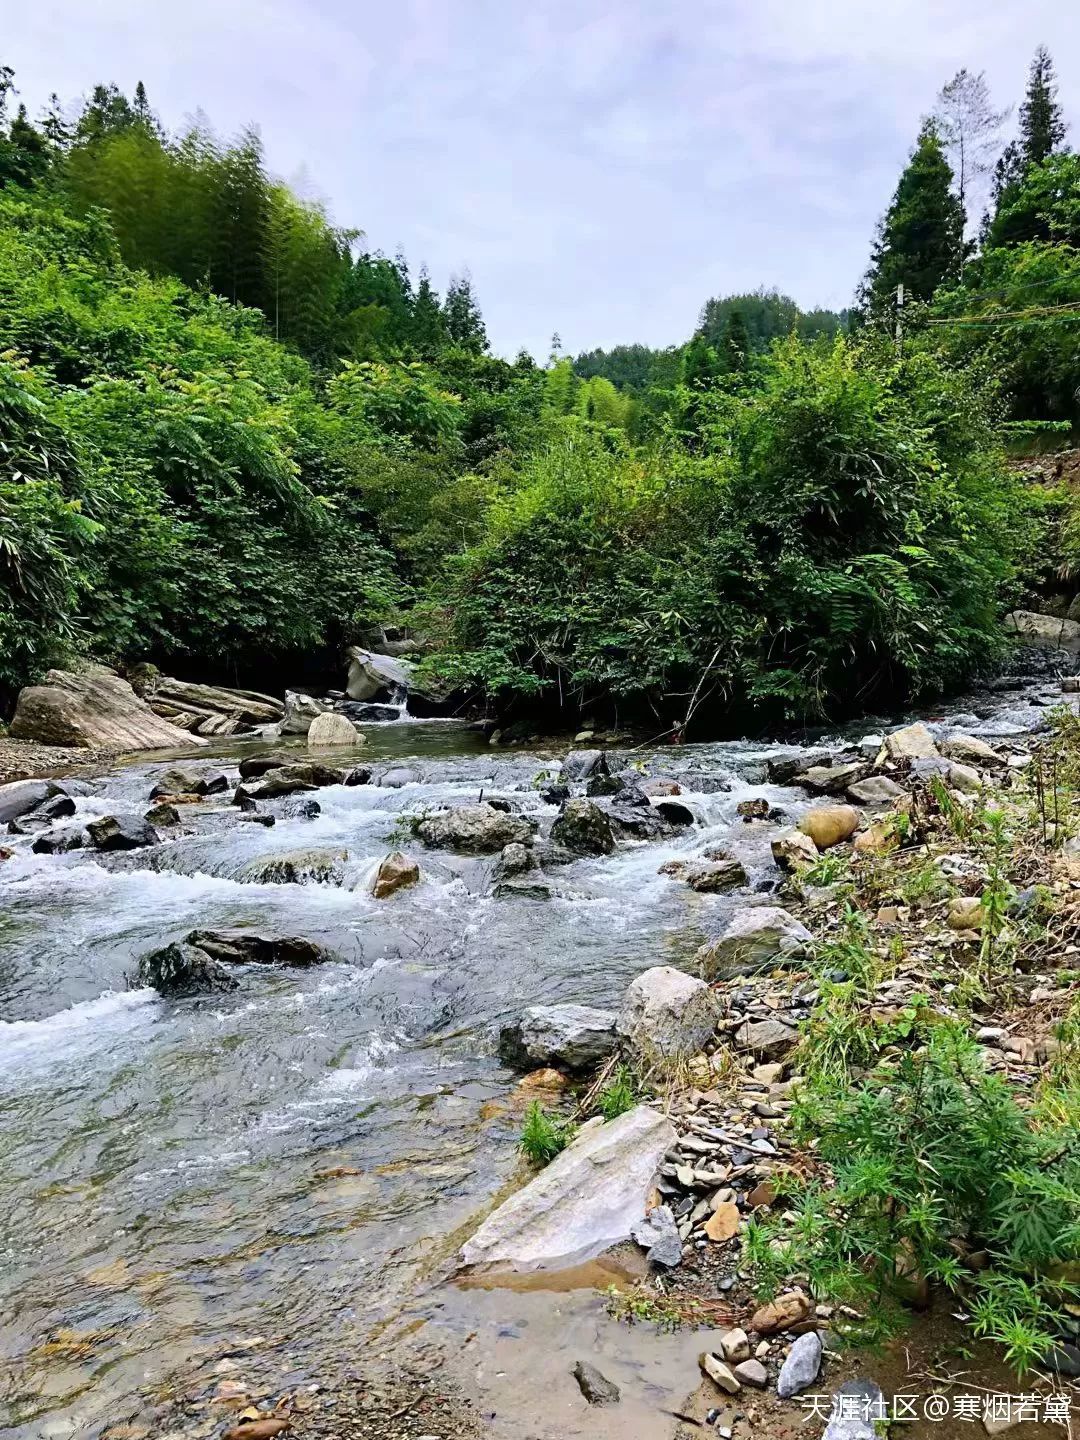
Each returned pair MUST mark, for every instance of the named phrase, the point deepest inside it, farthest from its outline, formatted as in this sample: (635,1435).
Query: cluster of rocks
(198,964)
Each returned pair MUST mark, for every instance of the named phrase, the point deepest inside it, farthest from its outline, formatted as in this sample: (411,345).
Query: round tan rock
(829,825)
(330,728)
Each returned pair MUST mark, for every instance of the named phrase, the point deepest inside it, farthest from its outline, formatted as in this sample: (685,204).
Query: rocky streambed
(214,1198)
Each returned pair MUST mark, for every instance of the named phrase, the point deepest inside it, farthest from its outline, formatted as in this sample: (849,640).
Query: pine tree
(54,126)
(464,323)
(920,241)
(428,325)
(1042,127)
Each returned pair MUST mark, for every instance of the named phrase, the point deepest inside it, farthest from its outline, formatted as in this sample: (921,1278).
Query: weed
(618,1095)
(544,1136)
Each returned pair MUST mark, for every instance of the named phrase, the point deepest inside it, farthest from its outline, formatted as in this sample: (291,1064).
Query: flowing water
(288,1165)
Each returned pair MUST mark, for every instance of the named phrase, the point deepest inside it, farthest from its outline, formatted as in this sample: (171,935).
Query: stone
(829,825)
(735,1345)
(660,788)
(248,947)
(56,842)
(913,742)
(756,938)
(162,816)
(966,913)
(189,781)
(668,1013)
(756,809)
(1043,632)
(781,1313)
(121,832)
(800,1369)
(761,1196)
(720,1374)
(568,1037)
(597,1388)
(93,708)
(853,1417)
(752,1373)
(767,1074)
(767,1039)
(832,779)
(358,775)
(514,859)
(296,867)
(473,829)
(604,784)
(59,807)
(585,1201)
(394,873)
(330,728)
(252,766)
(971,751)
(782,769)
(580,764)
(372,674)
(19,797)
(658,1236)
(583,829)
(180,970)
(877,839)
(300,711)
(397,778)
(875,790)
(791,848)
(674,812)
(723,1224)
(715,878)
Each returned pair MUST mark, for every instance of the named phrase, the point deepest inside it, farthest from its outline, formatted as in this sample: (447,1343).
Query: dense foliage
(235,438)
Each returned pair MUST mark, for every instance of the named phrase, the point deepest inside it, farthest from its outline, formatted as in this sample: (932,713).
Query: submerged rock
(757,938)
(597,1388)
(474,829)
(121,832)
(297,867)
(248,947)
(667,1013)
(582,828)
(183,969)
(585,1201)
(568,1037)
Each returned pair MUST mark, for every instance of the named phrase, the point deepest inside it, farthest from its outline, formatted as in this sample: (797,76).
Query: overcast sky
(601,169)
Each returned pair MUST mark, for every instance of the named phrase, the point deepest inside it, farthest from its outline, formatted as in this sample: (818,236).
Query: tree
(920,241)
(968,127)
(1042,126)
(464,323)
(735,349)
(428,322)
(700,365)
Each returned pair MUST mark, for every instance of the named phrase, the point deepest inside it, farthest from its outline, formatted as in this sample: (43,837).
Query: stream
(289,1168)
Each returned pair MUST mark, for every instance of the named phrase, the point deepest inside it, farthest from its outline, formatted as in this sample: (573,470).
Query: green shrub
(618,1095)
(544,1136)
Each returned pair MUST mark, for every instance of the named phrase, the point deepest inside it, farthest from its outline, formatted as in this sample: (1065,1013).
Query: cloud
(601,172)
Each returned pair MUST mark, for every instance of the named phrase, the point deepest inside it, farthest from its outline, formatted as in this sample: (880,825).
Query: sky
(600,169)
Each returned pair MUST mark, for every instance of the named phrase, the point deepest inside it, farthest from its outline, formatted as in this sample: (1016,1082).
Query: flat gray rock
(800,1369)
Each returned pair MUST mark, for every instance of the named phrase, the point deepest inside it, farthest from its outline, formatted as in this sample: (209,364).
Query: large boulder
(290,780)
(582,828)
(189,780)
(474,829)
(875,790)
(93,708)
(330,728)
(566,1037)
(297,867)
(667,1013)
(1043,632)
(792,848)
(122,832)
(371,674)
(21,796)
(757,938)
(970,750)
(584,1202)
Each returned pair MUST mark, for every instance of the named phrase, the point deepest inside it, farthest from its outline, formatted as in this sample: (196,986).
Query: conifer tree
(920,241)
(428,325)
(1042,127)
(735,347)
(464,323)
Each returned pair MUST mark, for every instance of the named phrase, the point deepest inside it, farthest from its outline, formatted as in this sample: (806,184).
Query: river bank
(295,1162)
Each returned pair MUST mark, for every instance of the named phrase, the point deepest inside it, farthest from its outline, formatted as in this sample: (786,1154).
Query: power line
(1010,317)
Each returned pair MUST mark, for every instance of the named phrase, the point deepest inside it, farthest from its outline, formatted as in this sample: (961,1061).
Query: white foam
(55,1037)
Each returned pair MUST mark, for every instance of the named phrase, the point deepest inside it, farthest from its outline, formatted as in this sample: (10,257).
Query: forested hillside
(234,438)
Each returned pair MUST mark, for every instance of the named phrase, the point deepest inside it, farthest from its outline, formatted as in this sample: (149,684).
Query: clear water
(290,1161)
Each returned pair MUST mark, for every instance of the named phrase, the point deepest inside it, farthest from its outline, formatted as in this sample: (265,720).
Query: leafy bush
(844,533)
(544,1136)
